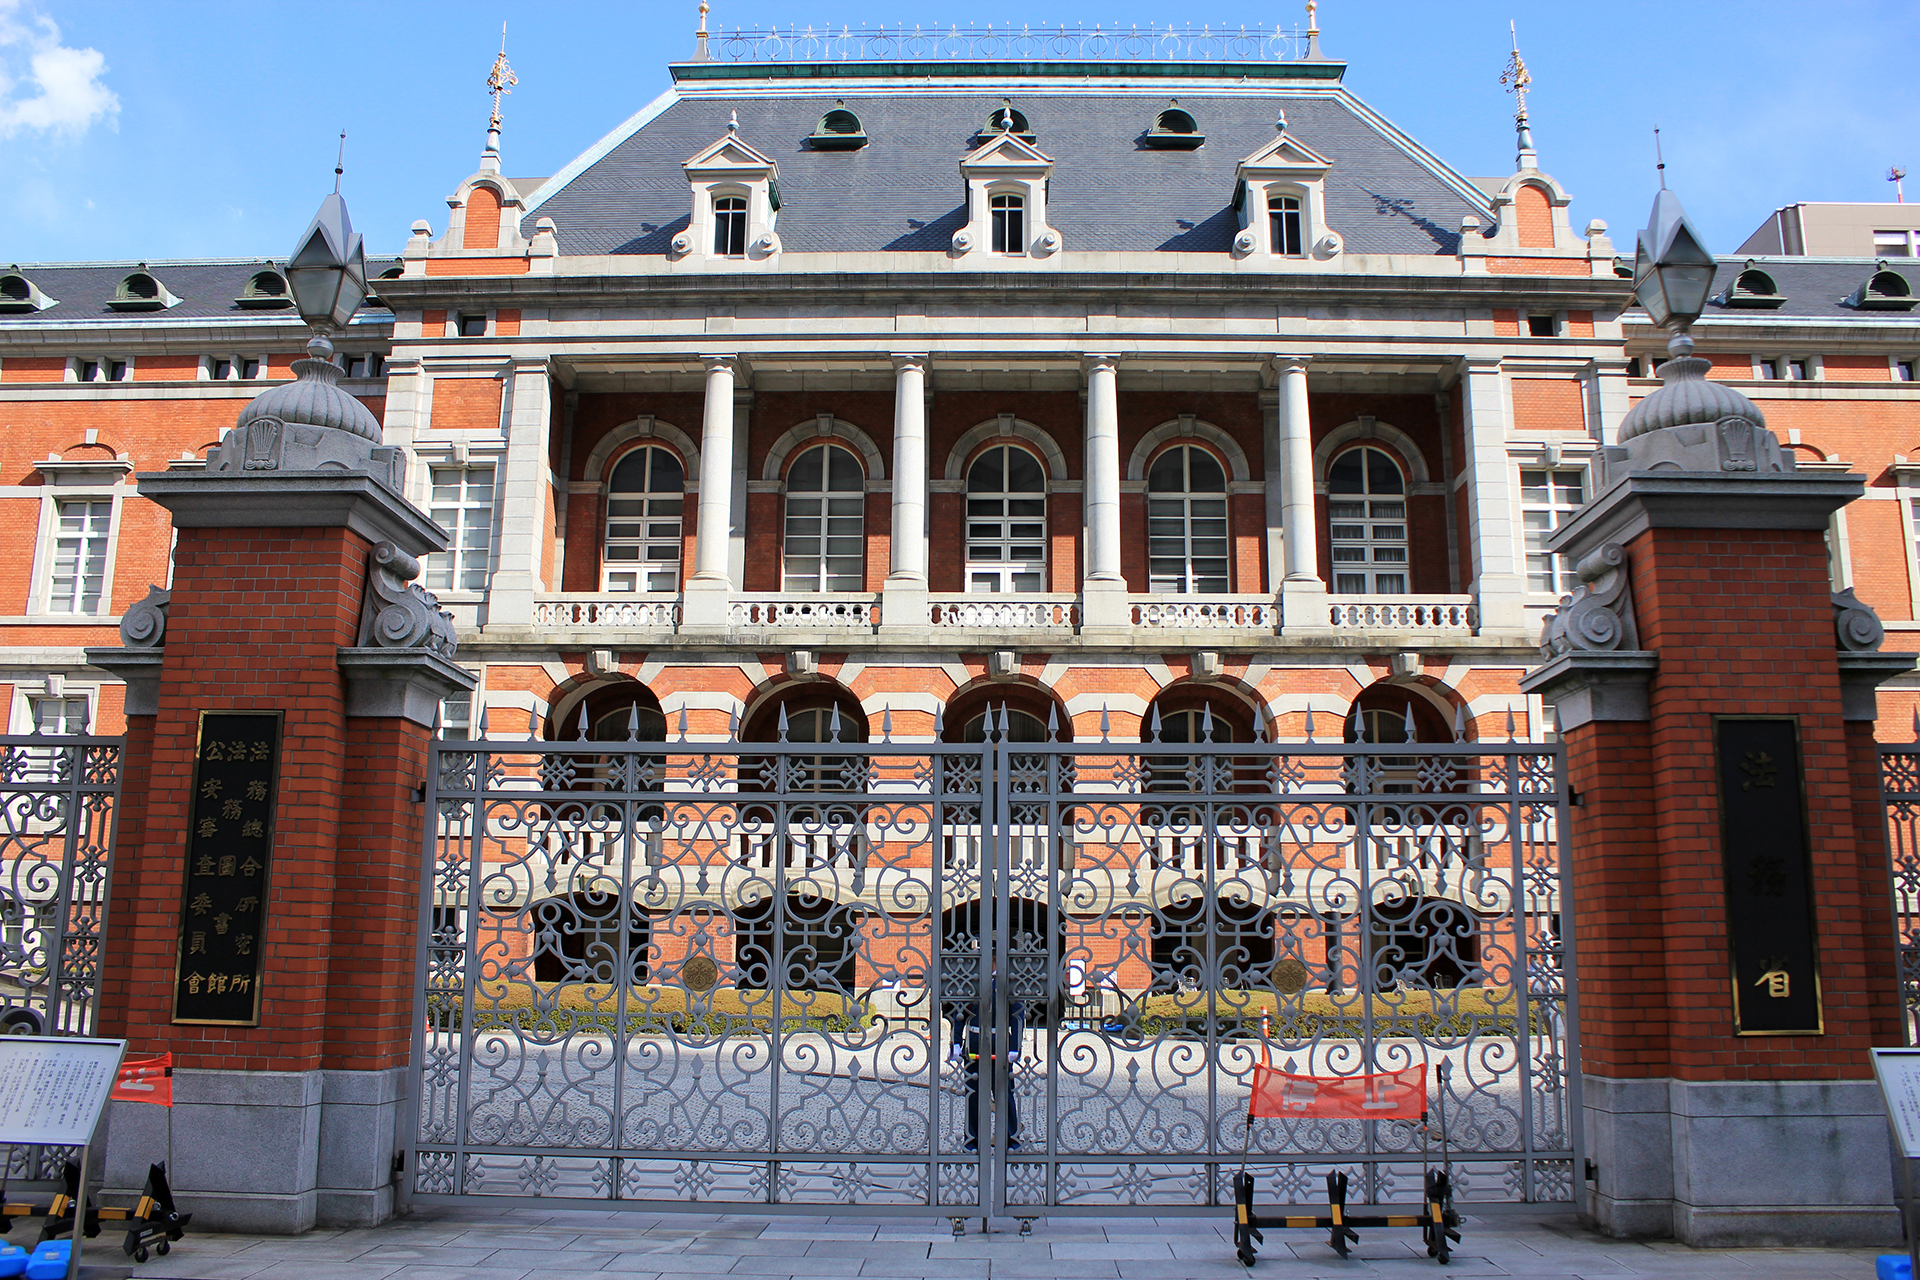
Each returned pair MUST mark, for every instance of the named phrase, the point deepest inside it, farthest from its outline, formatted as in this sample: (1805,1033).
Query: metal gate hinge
(400,1163)
(420,793)
(1573,798)
(1593,1172)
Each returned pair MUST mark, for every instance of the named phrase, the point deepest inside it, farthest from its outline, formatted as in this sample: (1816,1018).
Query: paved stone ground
(536,1244)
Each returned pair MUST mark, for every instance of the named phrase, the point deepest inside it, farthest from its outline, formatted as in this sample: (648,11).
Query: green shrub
(559,1008)
(1317,1013)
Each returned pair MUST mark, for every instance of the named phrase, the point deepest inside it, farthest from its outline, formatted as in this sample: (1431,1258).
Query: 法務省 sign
(223,915)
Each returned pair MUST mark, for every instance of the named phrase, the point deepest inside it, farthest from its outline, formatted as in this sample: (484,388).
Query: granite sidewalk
(479,1243)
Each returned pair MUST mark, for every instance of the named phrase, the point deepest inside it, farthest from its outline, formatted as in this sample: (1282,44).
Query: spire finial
(700,35)
(500,80)
(733,122)
(1659,159)
(1518,80)
(1313,31)
(340,162)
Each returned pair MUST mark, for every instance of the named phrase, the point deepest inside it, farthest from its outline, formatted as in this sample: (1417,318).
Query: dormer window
(265,290)
(1280,196)
(838,130)
(141,291)
(18,294)
(736,199)
(1884,290)
(730,227)
(1174,129)
(1006,120)
(1753,287)
(1284,232)
(1006,201)
(1009,217)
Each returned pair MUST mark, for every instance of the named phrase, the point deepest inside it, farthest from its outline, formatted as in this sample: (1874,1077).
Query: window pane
(463,506)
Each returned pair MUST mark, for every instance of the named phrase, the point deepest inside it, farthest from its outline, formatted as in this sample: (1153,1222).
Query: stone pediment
(1006,151)
(1285,155)
(729,155)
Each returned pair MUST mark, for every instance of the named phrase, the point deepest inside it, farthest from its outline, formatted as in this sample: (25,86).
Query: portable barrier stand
(153,1223)
(1394,1095)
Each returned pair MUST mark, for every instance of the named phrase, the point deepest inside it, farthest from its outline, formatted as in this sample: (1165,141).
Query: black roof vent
(141,291)
(1885,290)
(1174,129)
(838,130)
(265,291)
(19,296)
(1753,288)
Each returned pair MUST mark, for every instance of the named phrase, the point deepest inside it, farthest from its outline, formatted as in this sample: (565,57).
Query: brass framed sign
(223,913)
(1767,859)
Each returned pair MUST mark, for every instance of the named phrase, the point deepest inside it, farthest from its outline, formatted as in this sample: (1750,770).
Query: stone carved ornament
(309,424)
(1856,627)
(1599,614)
(144,625)
(398,614)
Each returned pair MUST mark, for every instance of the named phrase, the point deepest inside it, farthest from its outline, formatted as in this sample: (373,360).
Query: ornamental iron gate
(59,802)
(719,975)
(1900,796)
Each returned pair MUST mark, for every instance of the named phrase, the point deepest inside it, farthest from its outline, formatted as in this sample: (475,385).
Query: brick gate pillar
(1734,960)
(291,594)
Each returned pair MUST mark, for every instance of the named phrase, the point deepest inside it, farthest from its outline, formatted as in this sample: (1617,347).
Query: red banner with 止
(145,1080)
(1390,1095)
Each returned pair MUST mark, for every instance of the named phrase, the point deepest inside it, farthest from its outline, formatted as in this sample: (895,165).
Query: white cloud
(44,85)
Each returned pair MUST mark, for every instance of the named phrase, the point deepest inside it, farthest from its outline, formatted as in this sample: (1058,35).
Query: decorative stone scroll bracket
(1858,635)
(1594,668)
(143,637)
(403,665)
(396,612)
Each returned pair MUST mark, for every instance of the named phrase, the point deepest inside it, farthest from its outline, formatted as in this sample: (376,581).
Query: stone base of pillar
(1304,605)
(705,606)
(1105,609)
(905,610)
(267,1152)
(1747,1163)
(510,599)
(1500,608)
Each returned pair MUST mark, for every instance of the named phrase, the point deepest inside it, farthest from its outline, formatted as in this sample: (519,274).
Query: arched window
(1284,227)
(1367,510)
(1009,219)
(1186,522)
(1006,522)
(730,227)
(826,525)
(645,496)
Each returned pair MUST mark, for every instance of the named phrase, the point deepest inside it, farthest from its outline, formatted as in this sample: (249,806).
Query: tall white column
(903,601)
(1103,600)
(709,592)
(1498,586)
(1302,592)
(526,492)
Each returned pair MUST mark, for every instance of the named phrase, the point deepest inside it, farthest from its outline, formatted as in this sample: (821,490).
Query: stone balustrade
(1206,613)
(1420,614)
(994,612)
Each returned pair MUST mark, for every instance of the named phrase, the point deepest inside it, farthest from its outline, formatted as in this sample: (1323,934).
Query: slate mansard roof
(903,191)
(206,289)
(1814,288)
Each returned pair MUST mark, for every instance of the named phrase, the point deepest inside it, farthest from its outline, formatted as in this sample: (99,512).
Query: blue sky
(147,129)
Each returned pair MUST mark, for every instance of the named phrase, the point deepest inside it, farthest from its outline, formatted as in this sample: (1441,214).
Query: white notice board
(1898,1071)
(52,1088)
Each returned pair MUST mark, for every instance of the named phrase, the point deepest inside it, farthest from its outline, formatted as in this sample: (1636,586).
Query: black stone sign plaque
(1770,912)
(223,914)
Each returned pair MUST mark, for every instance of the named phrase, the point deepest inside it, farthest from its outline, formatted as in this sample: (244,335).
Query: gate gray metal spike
(1309,722)
(1510,728)
(1459,724)
(1006,724)
(939,721)
(886,724)
(1105,726)
(633,722)
(783,722)
(583,722)
(833,724)
(1206,723)
(1259,727)
(1409,724)
(1053,723)
(1153,726)
(683,724)
(482,726)
(733,723)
